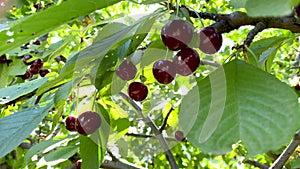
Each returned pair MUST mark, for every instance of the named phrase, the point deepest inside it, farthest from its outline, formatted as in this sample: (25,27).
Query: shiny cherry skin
(177,34)
(186,61)
(87,122)
(26,58)
(70,123)
(27,75)
(164,71)
(44,72)
(137,91)
(126,70)
(3,58)
(38,63)
(179,136)
(210,40)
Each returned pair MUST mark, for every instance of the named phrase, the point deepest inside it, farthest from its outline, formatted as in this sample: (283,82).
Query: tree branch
(163,126)
(256,164)
(284,156)
(149,136)
(228,22)
(156,131)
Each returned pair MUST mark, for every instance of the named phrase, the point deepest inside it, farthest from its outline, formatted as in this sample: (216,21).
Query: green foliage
(240,102)
(239,110)
(18,126)
(13,92)
(38,24)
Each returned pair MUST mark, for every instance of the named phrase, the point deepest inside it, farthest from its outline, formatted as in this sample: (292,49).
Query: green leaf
(17,67)
(18,126)
(57,156)
(257,8)
(240,102)
(47,20)
(40,147)
(264,50)
(238,3)
(12,92)
(4,76)
(90,153)
(63,92)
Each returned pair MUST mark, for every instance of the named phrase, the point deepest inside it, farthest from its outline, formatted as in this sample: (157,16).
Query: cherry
(210,40)
(27,75)
(78,164)
(187,61)
(34,70)
(70,123)
(38,63)
(60,58)
(26,58)
(37,42)
(177,34)
(3,58)
(126,70)
(44,72)
(164,71)
(179,135)
(297,87)
(87,122)
(137,91)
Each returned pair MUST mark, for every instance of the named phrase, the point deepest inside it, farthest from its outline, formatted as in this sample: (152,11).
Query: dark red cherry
(3,58)
(26,58)
(44,72)
(70,123)
(137,91)
(210,40)
(78,164)
(34,70)
(164,71)
(297,11)
(177,34)
(37,42)
(126,70)
(297,87)
(187,61)
(179,135)
(27,75)
(88,122)
(38,63)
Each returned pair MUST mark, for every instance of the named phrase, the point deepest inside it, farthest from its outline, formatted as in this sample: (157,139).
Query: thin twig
(256,164)
(149,136)
(156,131)
(163,126)
(284,156)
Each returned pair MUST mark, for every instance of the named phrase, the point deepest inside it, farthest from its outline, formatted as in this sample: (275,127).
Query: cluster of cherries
(35,67)
(85,124)
(176,35)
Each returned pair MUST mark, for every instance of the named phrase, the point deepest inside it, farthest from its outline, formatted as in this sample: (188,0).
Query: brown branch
(149,136)
(156,131)
(228,22)
(256,164)
(284,156)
